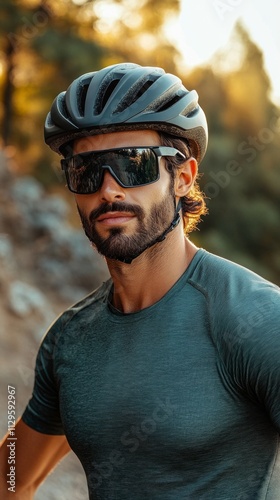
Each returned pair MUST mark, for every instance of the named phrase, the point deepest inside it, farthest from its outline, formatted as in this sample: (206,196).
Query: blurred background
(228,50)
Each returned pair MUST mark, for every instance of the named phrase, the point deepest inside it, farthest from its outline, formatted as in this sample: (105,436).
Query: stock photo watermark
(31,27)
(223,7)
(11,439)
(131,440)
(249,149)
(246,324)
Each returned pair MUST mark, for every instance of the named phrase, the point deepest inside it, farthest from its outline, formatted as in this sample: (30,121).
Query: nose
(110,190)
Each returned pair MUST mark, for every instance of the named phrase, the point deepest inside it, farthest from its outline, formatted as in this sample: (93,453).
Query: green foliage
(48,43)
(45,44)
(75,54)
(242,167)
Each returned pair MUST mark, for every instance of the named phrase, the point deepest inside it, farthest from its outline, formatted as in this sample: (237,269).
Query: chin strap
(161,237)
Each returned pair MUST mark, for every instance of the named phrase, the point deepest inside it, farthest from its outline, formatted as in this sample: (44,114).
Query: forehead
(116,140)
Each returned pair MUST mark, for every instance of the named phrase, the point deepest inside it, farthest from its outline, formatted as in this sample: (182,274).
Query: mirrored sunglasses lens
(130,166)
(135,166)
(82,177)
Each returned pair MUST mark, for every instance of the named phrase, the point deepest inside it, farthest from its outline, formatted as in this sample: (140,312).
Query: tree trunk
(8,91)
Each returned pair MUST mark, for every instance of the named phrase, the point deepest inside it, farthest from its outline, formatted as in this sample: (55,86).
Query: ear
(185,177)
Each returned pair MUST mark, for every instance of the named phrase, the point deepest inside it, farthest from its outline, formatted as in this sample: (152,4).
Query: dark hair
(193,205)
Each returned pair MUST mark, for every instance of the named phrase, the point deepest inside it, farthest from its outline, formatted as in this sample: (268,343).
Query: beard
(123,247)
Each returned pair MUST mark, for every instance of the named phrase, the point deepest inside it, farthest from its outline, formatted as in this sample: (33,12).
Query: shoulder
(228,283)
(244,312)
(241,304)
(73,318)
(220,272)
(90,303)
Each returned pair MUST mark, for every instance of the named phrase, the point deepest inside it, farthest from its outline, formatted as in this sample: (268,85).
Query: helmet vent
(142,90)
(63,108)
(193,112)
(81,99)
(169,103)
(106,95)
(130,99)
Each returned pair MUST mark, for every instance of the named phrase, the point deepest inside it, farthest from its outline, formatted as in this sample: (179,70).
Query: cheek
(165,183)
(85,203)
(154,193)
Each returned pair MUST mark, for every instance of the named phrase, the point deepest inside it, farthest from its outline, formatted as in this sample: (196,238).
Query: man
(166,380)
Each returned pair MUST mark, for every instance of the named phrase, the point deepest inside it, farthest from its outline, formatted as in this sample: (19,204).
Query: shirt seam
(273,467)
(203,291)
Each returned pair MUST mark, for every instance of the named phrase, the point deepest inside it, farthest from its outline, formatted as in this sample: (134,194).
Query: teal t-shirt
(178,401)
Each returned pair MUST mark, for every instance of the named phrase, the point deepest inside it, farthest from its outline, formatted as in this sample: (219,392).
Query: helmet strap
(161,237)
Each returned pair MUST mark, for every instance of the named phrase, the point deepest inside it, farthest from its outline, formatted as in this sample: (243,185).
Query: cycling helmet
(122,97)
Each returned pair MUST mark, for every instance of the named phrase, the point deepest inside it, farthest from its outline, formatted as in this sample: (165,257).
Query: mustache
(116,207)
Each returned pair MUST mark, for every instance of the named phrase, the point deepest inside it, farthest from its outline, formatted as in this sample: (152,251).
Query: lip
(115,217)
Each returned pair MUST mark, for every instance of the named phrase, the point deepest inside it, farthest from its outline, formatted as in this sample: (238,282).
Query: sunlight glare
(108,13)
(200,33)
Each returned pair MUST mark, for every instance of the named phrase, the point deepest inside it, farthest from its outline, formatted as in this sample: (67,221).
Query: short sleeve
(255,353)
(42,412)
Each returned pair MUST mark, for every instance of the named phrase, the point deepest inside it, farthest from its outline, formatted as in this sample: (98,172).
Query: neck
(149,277)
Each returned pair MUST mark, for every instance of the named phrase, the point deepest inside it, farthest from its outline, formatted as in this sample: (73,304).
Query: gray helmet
(126,97)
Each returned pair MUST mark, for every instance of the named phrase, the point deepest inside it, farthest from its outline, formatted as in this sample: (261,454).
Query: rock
(55,205)
(27,191)
(5,173)
(7,256)
(40,246)
(23,299)
(45,266)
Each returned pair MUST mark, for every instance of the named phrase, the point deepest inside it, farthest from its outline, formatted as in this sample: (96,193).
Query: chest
(152,385)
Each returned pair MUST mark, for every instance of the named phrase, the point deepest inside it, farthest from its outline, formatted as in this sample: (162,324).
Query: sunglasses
(130,167)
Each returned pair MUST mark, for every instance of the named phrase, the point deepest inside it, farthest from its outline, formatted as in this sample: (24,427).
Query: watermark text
(11,439)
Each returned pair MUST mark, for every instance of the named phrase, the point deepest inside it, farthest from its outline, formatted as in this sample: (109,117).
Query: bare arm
(36,455)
